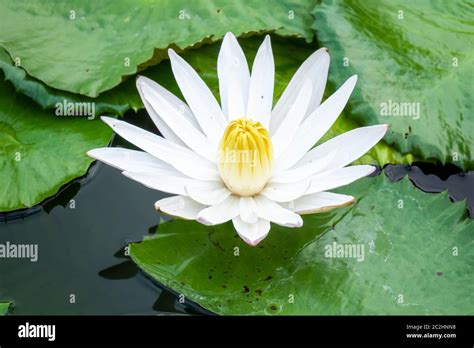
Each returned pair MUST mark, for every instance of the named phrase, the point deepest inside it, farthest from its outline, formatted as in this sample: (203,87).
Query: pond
(81,234)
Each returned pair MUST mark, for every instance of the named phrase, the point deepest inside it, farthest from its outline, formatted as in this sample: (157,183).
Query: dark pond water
(81,244)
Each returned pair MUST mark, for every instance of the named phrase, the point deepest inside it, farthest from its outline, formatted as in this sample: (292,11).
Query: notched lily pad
(395,242)
(415,67)
(98,43)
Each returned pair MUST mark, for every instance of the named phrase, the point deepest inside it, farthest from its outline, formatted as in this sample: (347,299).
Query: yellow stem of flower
(245,157)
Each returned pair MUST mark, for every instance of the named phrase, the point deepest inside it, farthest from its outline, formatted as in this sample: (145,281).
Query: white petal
(269,210)
(345,148)
(199,97)
(208,195)
(235,101)
(167,183)
(316,69)
(248,210)
(252,234)
(234,78)
(170,113)
(171,99)
(279,192)
(338,177)
(291,123)
(131,160)
(182,158)
(333,154)
(180,206)
(261,85)
(164,129)
(319,202)
(316,125)
(220,213)
(295,174)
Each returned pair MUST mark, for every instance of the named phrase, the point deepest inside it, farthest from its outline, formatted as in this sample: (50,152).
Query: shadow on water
(82,231)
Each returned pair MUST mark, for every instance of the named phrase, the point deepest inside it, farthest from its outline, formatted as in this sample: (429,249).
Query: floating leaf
(39,151)
(4,307)
(418,258)
(415,66)
(87,46)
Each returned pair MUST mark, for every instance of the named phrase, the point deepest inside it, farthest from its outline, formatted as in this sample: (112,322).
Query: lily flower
(244,160)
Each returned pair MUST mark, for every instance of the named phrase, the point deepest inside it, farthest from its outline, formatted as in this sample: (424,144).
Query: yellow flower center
(245,157)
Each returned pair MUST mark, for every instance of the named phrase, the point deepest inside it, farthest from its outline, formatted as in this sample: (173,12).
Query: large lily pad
(87,46)
(407,56)
(39,151)
(418,259)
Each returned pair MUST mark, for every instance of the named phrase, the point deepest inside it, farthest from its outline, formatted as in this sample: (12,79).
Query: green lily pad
(87,47)
(116,101)
(39,151)
(418,259)
(4,307)
(415,66)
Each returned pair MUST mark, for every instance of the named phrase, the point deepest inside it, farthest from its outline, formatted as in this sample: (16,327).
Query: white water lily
(244,161)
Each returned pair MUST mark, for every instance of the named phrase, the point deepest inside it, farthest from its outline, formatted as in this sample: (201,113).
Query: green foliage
(407,56)
(86,47)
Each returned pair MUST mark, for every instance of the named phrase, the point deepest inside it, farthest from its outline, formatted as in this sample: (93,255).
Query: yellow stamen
(245,157)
